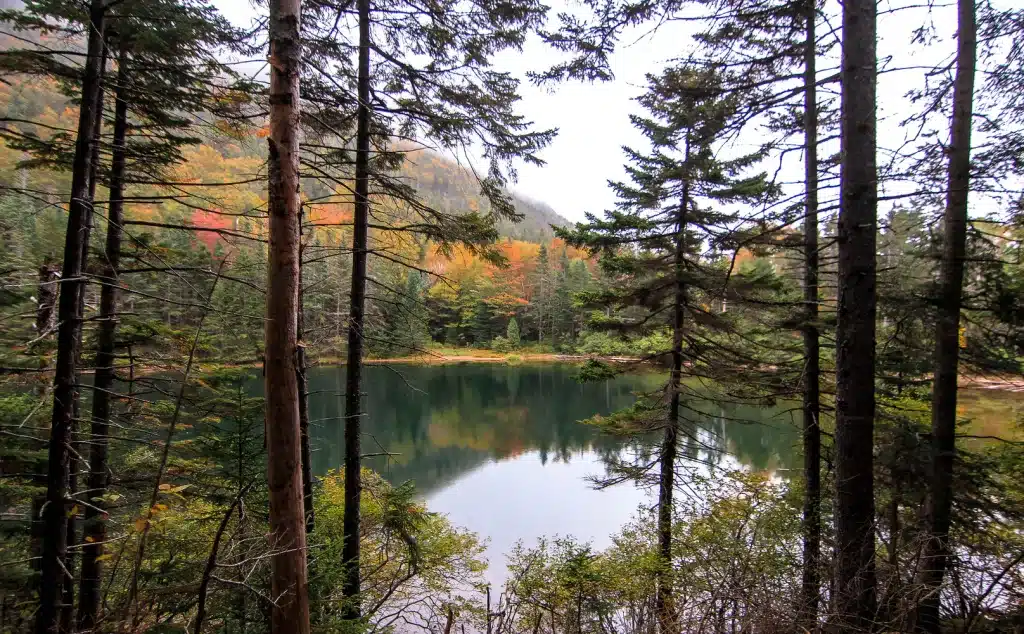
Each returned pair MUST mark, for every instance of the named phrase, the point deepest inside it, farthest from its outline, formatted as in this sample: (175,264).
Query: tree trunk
(811,585)
(46,305)
(353,379)
(947,327)
(855,334)
(300,377)
(669,445)
(95,529)
(68,609)
(46,295)
(55,536)
(289,580)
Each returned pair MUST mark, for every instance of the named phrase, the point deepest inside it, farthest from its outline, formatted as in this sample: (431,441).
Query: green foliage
(735,560)
(512,332)
(502,345)
(410,556)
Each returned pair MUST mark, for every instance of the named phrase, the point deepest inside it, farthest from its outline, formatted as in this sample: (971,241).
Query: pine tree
(55,537)
(429,72)
(540,303)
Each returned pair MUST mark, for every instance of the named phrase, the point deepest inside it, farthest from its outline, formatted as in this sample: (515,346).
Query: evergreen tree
(855,593)
(429,70)
(679,197)
(947,329)
(55,526)
(540,304)
(512,332)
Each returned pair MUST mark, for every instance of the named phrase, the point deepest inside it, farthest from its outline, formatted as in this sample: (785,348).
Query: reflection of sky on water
(523,499)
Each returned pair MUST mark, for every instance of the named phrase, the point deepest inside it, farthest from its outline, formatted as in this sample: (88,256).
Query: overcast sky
(593,119)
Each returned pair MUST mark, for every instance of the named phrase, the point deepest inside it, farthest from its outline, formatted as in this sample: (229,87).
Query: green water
(501,451)
(447,421)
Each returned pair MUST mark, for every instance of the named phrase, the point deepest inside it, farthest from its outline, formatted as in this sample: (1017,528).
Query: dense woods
(195,214)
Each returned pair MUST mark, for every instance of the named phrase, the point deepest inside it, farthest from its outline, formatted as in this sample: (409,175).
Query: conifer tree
(179,38)
(423,75)
(855,592)
(947,333)
(55,537)
(289,583)
(512,333)
(681,194)
(540,304)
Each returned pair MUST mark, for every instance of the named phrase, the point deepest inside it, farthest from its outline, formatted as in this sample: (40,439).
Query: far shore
(480,355)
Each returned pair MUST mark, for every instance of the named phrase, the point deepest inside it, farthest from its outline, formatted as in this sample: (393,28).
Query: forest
(824,217)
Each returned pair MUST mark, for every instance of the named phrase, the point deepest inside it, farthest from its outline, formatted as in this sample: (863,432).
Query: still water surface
(500,450)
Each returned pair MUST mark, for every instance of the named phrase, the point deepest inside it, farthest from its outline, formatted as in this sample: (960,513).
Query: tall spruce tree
(682,198)
(54,578)
(181,39)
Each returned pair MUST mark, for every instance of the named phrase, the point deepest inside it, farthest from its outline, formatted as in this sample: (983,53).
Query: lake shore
(473,355)
(1003,383)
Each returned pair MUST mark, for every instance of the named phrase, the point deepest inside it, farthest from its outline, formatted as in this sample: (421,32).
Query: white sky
(593,119)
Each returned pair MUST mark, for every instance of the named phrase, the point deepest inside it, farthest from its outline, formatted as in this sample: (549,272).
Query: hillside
(442,182)
(452,187)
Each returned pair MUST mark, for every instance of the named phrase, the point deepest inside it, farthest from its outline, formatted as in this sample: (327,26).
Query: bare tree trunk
(669,445)
(811,583)
(289,582)
(67,613)
(354,368)
(46,304)
(46,296)
(947,327)
(211,561)
(855,334)
(300,377)
(95,528)
(55,536)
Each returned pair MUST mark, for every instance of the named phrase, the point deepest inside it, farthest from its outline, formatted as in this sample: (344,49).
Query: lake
(500,450)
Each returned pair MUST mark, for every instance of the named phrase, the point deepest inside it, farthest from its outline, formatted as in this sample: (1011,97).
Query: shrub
(501,344)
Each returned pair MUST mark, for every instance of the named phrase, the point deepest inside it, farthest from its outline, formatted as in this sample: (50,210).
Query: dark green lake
(501,451)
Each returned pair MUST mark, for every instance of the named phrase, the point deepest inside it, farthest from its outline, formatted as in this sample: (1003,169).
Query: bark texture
(811,580)
(947,326)
(354,367)
(55,525)
(300,377)
(289,580)
(855,595)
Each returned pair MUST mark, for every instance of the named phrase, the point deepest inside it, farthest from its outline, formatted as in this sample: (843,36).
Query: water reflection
(445,421)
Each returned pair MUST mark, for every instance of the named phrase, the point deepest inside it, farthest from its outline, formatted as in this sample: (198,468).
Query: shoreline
(484,356)
(995,382)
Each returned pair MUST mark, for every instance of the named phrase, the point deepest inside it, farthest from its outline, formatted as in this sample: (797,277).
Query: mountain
(442,182)
(451,187)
